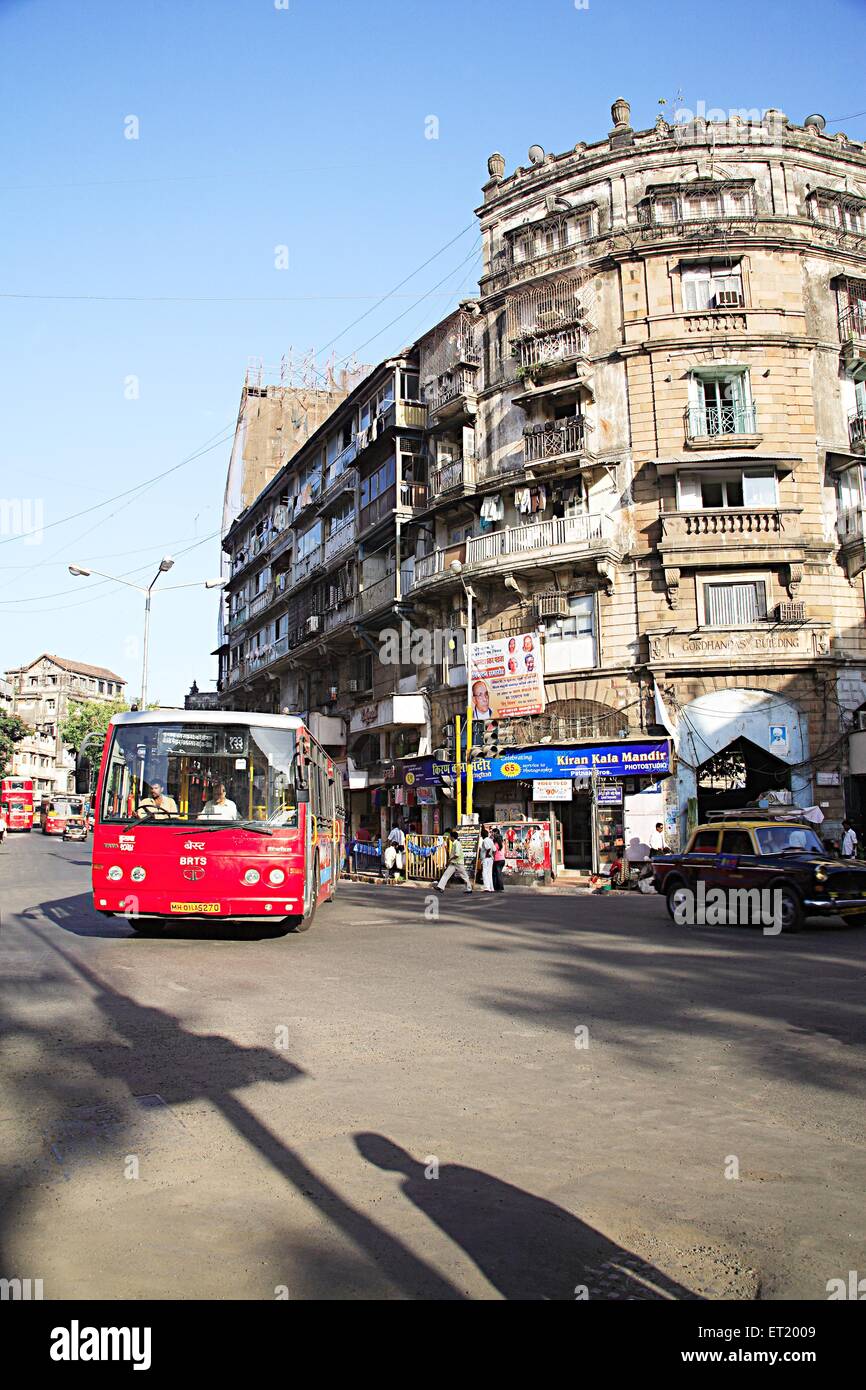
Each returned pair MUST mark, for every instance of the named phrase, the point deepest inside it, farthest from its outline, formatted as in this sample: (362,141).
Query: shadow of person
(527,1247)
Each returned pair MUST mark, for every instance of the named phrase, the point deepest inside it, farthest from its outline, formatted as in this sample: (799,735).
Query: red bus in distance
(16,802)
(215,815)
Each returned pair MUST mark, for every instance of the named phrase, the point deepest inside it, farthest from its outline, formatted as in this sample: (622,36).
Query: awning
(704,459)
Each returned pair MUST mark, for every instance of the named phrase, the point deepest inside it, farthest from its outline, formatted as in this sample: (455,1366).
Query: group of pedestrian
(492,852)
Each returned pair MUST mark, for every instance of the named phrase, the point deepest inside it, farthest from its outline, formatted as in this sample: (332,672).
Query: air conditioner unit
(728,299)
(861,719)
(791,612)
(312,624)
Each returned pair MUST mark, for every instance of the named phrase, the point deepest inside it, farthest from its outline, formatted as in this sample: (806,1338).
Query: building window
(378,482)
(736,603)
(841,210)
(721,404)
(50,704)
(579,623)
(410,386)
(698,204)
(309,541)
(752,487)
(712,287)
(377,404)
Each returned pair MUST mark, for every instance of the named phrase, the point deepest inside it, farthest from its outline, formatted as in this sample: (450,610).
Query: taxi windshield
(202,773)
(776,839)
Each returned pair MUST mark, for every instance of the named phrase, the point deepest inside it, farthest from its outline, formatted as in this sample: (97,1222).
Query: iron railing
(554,439)
(585,530)
(710,421)
(857,429)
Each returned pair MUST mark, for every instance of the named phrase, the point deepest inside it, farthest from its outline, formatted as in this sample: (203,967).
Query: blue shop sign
(650,758)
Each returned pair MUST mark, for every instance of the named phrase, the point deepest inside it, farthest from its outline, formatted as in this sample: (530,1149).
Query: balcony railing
(338,481)
(413,495)
(429,566)
(261,601)
(728,522)
(857,429)
(561,345)
(450,477)
(554,439)
(377,594)
(713,421)
(237,618)
(453,386)
(338,540)
(852,320)
(585,530)
(343,612)
(307,564)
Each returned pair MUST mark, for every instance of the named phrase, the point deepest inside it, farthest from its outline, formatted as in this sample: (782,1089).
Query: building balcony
(549,348)
(256,546)
(554,440)
(455,395)
(857,431)
(852,334)
(261,601)
(339,540)
(307,564)
(346,611)
(722,424)
(378,594)
(337,483)
(237,618)
(706,539)
(559,540)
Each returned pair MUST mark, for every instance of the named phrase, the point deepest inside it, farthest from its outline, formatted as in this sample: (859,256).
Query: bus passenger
(219,807)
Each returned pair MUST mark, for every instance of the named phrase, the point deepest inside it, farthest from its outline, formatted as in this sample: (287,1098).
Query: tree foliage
(12,730)
(88,717)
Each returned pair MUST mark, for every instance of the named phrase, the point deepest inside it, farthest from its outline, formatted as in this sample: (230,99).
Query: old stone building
(643,443)
(42,692)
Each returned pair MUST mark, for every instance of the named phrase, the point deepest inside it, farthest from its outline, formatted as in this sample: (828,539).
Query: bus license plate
(195,907)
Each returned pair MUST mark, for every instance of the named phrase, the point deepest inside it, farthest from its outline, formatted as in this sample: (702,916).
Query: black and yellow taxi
(779,853)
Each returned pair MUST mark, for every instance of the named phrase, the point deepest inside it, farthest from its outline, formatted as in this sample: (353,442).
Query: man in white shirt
(219,808)
(657,840)
(488,849)
(396,842)
(849,841)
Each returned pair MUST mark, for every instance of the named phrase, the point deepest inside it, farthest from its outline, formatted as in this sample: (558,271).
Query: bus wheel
(147,926)
(304,922)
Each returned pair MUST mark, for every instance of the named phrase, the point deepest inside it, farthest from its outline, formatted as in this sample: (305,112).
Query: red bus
(56,812)
(16,802)
(215,814)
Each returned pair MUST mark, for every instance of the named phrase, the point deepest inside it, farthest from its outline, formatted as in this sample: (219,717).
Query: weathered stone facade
(644,438)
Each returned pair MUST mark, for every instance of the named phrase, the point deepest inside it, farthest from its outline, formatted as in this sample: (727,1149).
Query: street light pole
(457,568)
(165,564)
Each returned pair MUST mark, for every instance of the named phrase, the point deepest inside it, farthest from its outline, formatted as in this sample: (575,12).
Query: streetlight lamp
(165,564)
(457,568)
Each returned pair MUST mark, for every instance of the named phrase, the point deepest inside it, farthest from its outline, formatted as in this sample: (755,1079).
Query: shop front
(600,801)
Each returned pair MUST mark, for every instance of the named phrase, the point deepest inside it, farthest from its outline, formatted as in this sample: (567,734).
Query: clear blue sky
(261,126)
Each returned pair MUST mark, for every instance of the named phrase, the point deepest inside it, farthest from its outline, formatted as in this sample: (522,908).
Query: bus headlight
(276,876)
(251,876)
(115,873)
(138,875)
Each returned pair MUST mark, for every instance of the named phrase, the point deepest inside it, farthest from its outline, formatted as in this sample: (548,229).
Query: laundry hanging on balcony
(530,500)
(492,510)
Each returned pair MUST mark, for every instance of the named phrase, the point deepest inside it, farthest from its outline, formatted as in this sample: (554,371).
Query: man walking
(455,868)
(397,844)
(488,849)
(657,840)
(849,841)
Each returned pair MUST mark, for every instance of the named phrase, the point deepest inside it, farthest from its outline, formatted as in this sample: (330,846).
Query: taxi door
(738,866)
(701,859)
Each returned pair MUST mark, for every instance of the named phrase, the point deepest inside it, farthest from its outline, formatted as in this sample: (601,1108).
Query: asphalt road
(396,1105)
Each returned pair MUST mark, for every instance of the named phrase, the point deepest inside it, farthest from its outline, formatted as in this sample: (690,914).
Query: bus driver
(157,804)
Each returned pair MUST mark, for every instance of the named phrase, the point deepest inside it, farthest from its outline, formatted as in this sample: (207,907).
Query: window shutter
(689,492)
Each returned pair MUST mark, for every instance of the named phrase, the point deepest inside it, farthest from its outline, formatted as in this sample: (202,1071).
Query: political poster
(507,677)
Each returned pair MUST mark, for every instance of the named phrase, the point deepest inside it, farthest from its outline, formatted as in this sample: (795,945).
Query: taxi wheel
(677,897)
(791,913)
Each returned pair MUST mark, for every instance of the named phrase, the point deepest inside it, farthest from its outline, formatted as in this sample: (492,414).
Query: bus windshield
(202,773)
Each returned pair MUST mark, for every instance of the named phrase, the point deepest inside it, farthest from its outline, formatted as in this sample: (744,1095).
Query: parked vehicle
(759,850)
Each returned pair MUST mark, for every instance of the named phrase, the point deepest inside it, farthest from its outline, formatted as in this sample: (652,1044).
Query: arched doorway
(736,743)
(739,774)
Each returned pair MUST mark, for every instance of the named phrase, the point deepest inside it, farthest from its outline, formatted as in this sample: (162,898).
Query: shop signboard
(644,758)
(470,838)
(552,789)
(608,794)
(507,677)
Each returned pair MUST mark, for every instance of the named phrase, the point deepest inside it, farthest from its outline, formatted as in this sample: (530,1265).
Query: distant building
(41,693)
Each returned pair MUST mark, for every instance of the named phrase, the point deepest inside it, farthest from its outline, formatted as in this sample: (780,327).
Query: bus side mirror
(83,776)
